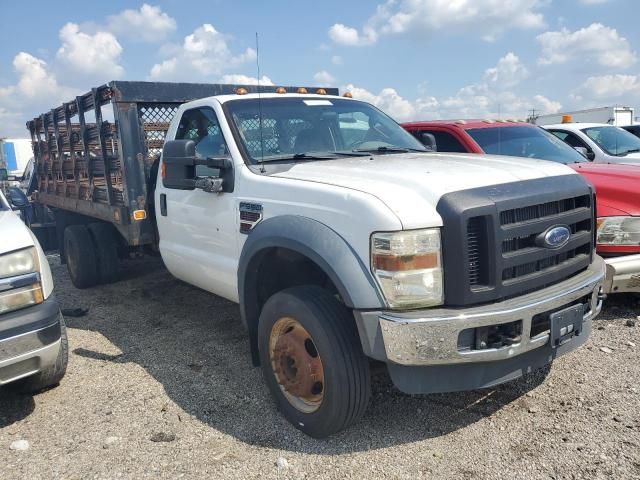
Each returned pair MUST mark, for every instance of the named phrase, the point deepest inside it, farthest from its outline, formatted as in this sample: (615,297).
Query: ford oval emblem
(554,237)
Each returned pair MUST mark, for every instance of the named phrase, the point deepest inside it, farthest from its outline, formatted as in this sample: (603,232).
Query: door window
(445,141)
(572,139)
(201,125)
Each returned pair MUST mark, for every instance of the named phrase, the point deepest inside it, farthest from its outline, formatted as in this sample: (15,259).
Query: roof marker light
(348,95)
(281,90)
(241,91)
(301,90)
(567,119)
(321,91)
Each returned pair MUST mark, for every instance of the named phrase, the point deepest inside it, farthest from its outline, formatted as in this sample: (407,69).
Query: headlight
(19,262)
(408,267)
(618,231)
(18,289)
(20,297)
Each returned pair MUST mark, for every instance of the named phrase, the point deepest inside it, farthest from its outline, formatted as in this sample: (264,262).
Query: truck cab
(339,235)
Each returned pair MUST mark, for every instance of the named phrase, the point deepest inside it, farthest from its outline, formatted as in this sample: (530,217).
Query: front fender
(318,242)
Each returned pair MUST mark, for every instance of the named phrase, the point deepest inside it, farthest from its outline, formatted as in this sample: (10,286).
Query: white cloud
(488,98)
(508,72)
(596,42)
(336,60)
(387,100)
(96,55)
(608,88)
(593,2)
(488,18)
(203,53)
(149,23)
(324,78)
(344,35)
(239,79)
(35,91)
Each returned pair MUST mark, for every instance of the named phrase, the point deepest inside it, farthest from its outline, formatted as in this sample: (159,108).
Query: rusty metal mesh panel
(155,119)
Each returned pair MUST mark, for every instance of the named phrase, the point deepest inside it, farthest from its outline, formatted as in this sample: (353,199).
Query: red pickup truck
(618,208)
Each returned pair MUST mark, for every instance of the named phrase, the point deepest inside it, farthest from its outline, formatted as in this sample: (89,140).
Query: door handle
(163,204)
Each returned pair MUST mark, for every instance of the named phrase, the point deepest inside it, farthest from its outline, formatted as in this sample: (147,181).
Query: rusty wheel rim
(296,365)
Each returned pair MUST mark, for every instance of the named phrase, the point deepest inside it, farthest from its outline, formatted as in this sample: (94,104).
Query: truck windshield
(313,128)
(614,140)
(524,141)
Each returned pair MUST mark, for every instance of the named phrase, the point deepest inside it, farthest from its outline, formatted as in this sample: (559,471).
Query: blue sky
(416,59)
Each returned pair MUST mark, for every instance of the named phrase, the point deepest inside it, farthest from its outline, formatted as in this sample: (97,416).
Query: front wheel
(312,360)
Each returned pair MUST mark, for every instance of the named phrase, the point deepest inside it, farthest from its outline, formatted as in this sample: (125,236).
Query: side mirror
(179,172)
(585,153)
(17,198)
(428,140)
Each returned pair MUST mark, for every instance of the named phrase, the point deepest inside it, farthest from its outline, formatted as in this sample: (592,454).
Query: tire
(80,256)
(106,251)
(52,375)
(345,381)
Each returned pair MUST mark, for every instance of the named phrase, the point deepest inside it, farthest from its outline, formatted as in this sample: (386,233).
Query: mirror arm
(210,184)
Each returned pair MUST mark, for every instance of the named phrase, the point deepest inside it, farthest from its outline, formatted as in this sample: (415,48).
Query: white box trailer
(616,115)
(15,153)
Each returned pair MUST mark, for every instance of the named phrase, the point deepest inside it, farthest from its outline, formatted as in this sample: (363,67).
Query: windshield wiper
(391,149)
(633,150)
(313,156)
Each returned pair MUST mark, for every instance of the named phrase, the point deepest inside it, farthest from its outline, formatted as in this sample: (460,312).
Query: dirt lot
(160,386)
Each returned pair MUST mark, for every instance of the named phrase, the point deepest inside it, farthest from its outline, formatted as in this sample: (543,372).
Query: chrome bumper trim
(623,274)
(28,353)
(430,337)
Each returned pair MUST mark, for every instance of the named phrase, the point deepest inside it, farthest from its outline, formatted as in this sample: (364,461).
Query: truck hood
(616,185)
(411,184)
(15,234)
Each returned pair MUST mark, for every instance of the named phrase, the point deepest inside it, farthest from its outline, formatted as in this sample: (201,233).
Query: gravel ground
(160,386)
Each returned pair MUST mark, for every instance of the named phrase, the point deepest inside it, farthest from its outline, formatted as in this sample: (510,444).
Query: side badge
(250,216)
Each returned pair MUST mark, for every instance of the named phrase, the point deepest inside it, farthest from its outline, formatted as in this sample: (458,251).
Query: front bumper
(623,274)
(29,340)
(419,341)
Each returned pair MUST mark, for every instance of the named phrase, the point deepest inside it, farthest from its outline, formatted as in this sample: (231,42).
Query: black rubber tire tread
(333,330)
(53,374)
(106,251)
(79,244)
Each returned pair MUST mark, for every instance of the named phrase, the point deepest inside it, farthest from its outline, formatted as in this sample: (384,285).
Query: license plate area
(566,324)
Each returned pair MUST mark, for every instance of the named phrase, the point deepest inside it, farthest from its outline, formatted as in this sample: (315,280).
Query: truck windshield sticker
(314,103)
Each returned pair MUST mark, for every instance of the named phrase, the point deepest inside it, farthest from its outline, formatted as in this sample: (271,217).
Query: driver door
(198,230)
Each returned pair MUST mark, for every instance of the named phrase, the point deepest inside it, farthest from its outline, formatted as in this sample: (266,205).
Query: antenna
(261,162)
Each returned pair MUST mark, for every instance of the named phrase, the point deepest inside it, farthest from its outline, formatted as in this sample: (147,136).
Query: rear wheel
(106,251)
(312,360)
(80,256)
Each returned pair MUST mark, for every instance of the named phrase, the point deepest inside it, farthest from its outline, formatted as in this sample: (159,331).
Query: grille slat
(476,251)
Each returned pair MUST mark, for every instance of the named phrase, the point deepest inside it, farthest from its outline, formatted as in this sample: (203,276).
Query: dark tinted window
(524,141)
(635,129)
(570,138)
(446,142)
